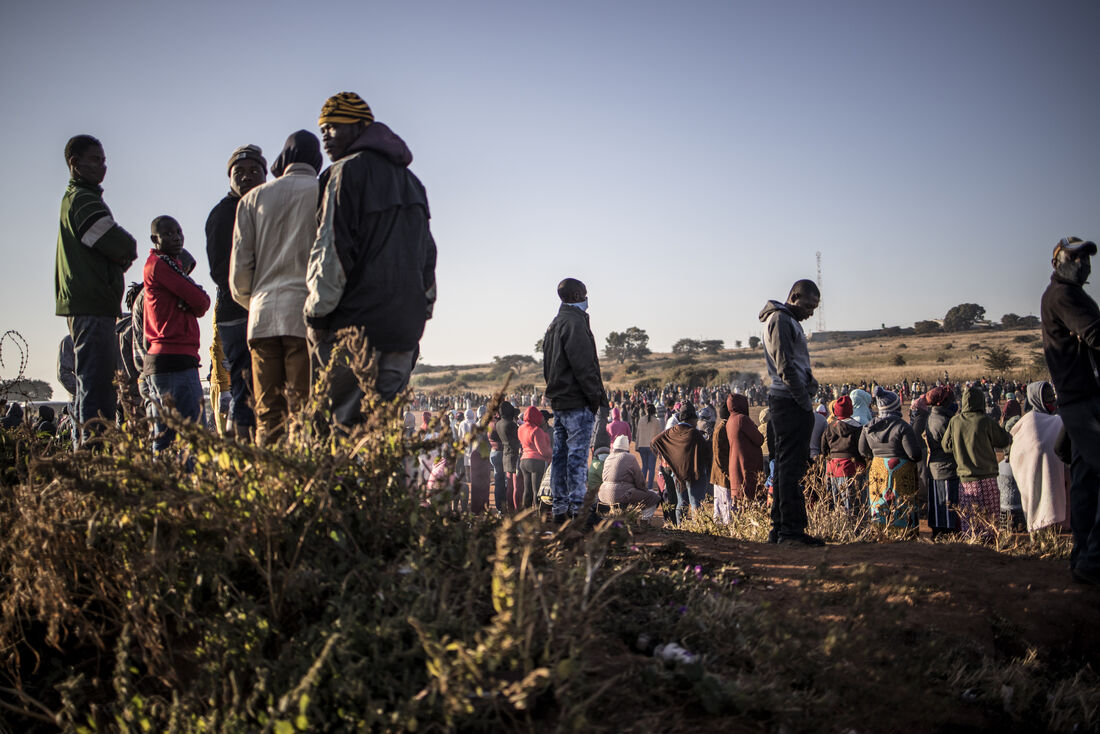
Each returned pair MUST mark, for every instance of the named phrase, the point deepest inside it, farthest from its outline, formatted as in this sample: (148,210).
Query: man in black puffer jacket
(1071,345)
(372,266)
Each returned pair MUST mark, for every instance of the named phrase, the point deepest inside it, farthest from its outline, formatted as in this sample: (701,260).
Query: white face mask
(582,305)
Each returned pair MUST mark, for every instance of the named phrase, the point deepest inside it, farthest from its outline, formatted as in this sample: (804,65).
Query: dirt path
(995,600)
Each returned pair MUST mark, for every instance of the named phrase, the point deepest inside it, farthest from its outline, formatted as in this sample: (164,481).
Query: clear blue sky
(686,160)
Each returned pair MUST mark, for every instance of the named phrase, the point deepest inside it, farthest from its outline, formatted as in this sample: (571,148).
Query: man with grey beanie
(247,169)
(1071,346)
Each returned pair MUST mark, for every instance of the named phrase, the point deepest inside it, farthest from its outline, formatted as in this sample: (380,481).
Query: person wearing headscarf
(14,417)
(618,427)
(746,459)
(861,406)
(688,455)
(1012,409)
(892,450)
(719,467)
(535,444)
(622,482)
(648,428)
(508,434)
(840,447)
(1040,475)
(973,438)
(943,484)
(47,422)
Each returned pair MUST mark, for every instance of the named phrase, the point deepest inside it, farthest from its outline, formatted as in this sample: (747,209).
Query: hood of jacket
(532,416)
(771,307)
(301,147)
(1035,396)
(380,139)
(973,400)
(738,404)
(616,414)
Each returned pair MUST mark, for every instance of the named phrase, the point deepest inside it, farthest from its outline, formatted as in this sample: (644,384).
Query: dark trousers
(95,351)
(235,347)
(792,427)
(1082,422)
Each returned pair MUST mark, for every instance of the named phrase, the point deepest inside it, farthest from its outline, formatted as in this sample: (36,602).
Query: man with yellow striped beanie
(372,265)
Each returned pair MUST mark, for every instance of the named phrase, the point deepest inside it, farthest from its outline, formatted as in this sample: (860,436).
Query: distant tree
(511,362)
(1010,321)
(962,317)
(630,344)
(926,327)
(737,344)
(899,360)
(538,345)
(28,390)
(754,342)
(712,346)
(1000,359)
(890,331)
(687,346)
(1030,322)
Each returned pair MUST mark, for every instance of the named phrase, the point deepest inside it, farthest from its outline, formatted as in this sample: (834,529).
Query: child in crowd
(173,305)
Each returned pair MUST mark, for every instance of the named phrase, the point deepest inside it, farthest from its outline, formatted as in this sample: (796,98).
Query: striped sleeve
(91,219)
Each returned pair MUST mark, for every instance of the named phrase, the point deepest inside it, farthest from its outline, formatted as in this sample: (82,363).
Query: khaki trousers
(280,383)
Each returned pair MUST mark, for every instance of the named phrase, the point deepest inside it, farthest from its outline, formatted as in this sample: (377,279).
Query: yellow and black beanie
(345,107)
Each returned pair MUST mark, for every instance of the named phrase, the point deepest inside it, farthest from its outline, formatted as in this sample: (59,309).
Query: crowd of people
(316,251)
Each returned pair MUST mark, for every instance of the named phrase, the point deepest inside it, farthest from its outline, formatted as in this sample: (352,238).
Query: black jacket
(570,363)
(219,247)
(373,263)
(1071,340)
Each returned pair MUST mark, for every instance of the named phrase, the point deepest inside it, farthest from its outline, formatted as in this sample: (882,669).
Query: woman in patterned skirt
(943,486)
(973,438)
(893,453)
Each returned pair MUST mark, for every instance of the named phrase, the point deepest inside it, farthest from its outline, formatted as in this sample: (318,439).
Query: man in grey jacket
(791,391)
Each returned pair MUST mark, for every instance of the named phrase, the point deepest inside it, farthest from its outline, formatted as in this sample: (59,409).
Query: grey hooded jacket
(787,356)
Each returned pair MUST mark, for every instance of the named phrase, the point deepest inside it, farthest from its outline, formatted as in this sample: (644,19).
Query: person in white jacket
(1039,473)
(275,228)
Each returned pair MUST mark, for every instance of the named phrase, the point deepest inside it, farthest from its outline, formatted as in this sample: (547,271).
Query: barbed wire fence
(11,341)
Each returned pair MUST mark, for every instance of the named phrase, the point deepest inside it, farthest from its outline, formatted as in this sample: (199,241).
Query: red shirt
(170,329)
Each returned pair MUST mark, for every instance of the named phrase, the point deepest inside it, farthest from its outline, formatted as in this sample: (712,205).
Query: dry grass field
(961,354)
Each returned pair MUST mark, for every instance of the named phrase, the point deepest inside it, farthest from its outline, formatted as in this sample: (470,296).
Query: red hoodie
(534,441)
(168,328)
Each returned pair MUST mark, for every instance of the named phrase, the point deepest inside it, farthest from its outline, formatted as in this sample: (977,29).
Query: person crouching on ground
(893,451)
(623,481)
(173,305)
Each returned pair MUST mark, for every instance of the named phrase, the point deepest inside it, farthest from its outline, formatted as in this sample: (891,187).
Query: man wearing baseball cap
(372,264)
(1071,345)
(247,169)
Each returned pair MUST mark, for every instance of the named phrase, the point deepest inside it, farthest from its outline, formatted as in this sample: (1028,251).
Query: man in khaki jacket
(275,228)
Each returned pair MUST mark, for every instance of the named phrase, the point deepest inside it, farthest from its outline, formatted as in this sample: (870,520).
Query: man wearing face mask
(1071,346)
(247,169)
(372,264)
(575,388)
(791,392)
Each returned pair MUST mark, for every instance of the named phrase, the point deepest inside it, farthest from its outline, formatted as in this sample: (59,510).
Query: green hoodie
(972,437)
(93,253)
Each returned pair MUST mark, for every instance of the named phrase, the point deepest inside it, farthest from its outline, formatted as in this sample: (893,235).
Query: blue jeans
(649,465)
(235,346)
(689,493)
(185,391)
(569,465)
(500,493)
(95,352)
(1082,422)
